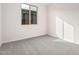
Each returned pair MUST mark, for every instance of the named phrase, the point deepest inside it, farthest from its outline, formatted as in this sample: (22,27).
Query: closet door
(68,32)
(59,28)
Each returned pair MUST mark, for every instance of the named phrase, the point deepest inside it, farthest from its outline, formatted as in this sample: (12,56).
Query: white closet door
(64,30)
(68,32)
(59,28)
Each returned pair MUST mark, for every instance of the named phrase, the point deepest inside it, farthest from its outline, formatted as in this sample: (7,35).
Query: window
(29,14)
(33,15)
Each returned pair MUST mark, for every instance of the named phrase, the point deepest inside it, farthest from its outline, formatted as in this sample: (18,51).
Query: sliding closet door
(68,32)
(59,28)
(64,30)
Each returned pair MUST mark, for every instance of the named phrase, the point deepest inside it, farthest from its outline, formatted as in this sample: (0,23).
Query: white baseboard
(22,39)
(53,36)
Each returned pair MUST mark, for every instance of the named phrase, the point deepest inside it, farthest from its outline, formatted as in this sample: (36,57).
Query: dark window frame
(31,17)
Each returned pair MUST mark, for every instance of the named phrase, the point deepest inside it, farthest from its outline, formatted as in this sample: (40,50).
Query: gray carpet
(44,45)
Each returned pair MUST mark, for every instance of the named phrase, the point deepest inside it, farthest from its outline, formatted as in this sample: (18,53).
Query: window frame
(29,14)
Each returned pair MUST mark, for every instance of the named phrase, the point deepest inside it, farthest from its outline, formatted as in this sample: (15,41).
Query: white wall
(51,21)
(69,14)
(12,28)
(0,24)
(47,22)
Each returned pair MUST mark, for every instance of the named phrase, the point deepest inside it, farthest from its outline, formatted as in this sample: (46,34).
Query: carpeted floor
(44,45)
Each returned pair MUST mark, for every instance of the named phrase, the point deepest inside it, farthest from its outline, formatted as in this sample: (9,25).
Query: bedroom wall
(51,20)
(12,28)
(0,24)
(69,15)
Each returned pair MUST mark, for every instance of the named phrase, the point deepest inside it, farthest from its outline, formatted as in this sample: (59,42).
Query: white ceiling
(59,4)
(40,4)
(67,4)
